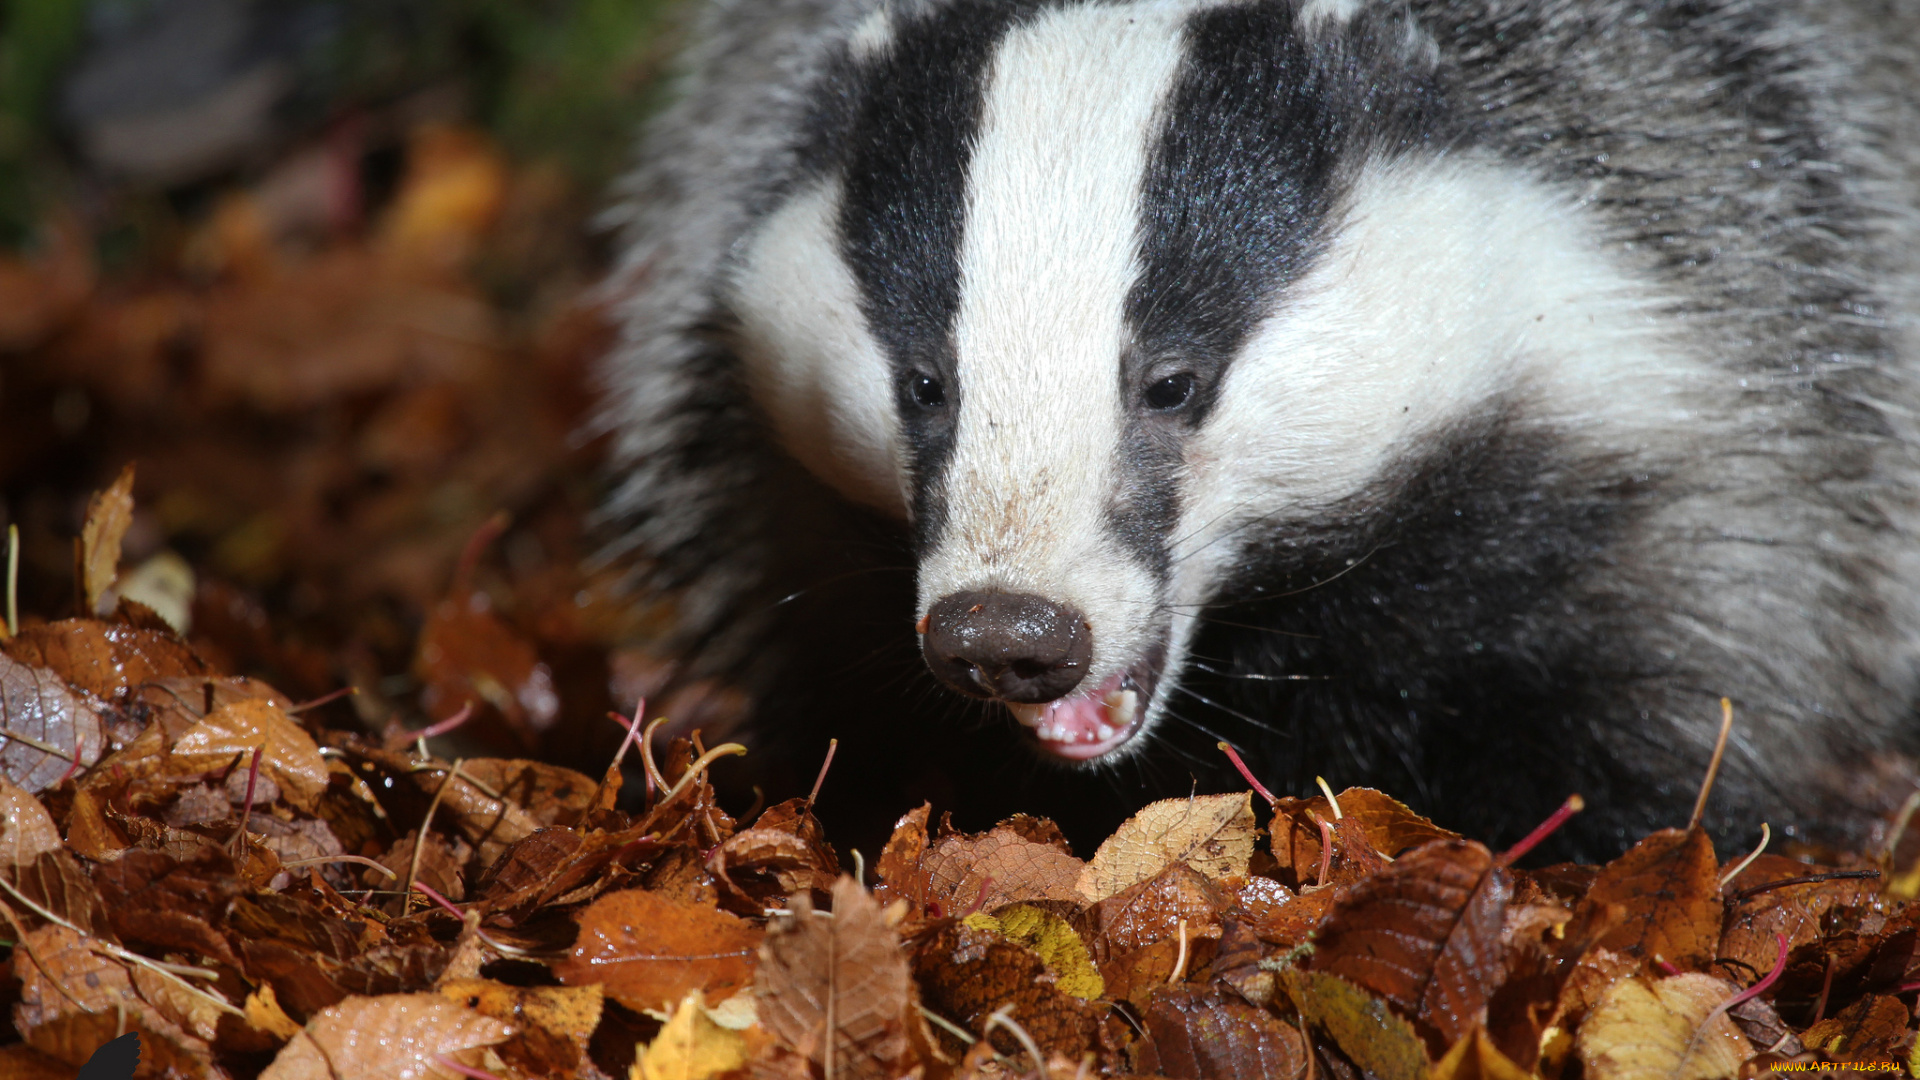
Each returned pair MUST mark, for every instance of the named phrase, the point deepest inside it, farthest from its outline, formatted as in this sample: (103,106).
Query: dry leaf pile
(194,857)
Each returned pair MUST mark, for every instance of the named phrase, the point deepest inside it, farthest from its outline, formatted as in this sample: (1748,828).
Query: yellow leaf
(1054,939)
(1670,1028)
(1475,1057)
(690,1047)
(264,1012)
(1374,1036)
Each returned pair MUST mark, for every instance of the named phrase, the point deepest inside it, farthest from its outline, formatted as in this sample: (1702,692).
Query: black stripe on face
(908,142)
(1257,137)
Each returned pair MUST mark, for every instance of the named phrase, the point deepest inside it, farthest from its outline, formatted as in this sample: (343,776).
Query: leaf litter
(262,882)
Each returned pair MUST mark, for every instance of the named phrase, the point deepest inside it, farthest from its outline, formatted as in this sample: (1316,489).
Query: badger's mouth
(1092,724)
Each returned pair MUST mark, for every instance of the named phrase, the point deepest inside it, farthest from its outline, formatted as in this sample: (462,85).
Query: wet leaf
(899,869)
(42,721)
(104,659)
(649,951)
(691,1047)
(1386,825)
(228,736)
(1207,1035)
(836,989)
(1669,895)
(26,829)
(109,515)
(1757,912)
(466,653)
(1669,1028)
(1426,935)
(395,1037)
(1214,834)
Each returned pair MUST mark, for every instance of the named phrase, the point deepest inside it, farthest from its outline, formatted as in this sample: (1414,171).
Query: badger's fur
(1454,396)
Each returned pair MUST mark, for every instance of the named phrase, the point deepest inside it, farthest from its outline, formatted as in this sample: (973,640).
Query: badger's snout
(1011,646)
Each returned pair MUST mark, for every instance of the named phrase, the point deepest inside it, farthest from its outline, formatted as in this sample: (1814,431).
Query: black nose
(1011,646)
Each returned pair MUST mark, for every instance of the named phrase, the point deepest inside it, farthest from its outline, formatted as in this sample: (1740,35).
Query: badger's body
(1457,397)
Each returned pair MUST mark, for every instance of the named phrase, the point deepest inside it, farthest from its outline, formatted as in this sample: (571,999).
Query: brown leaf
(1754,917)
(649,951)
(26,829)
(71,998)
(466,653)
(231,733)
(384,1038)
(1669,893)
(1669,1028)
(901,877)
(1386,824)
(1136,933)
(1361,1025)
(966,974)
(41,723)
(549,794)
(104,659)
(109,515)
(1425,934)
(785,853)
(1208,1035)
(836,990)
(1870,1029)
(995,868)
(1214,834)
(552,1024)
(57,881)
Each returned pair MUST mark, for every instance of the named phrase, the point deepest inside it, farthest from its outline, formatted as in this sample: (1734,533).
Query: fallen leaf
(1870,1029)
(690,1046)
(1387,825)
(968,974)
(1207,1035)
(1426,935)
(264,1013)
(785,853)
(1665,1029)
(1361,1025)
(898,870)
(1669,893)
(996,868)
(26,829)
(42,722)
(104,659)
(549,794)
(394,1037)
(553,1024)
(1758,909)
(109,515)
(227,737)
(1051,938)
(466,653)
(1477,1058)
(649,951)
(1214,834)
(836,990)
(72,998)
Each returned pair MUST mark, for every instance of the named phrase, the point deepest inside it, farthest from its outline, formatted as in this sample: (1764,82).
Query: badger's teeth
(1026,714)
(1121,707)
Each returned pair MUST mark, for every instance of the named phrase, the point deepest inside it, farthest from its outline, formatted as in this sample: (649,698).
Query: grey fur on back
(1760,161)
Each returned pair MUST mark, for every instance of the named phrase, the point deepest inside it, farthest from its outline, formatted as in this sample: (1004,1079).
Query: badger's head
(1093,294)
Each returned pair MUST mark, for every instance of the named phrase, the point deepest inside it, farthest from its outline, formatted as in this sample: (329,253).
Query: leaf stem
(1572,806)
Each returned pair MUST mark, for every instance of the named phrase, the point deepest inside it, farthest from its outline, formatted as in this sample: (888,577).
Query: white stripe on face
(810,360)
(1048,254)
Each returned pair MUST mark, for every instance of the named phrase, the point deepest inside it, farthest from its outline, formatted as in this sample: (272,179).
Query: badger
(1458,397)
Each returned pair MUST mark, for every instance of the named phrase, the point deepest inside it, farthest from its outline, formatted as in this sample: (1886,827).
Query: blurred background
(323,270)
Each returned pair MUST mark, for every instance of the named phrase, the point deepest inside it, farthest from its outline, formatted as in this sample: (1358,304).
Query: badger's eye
(1170,392)
(927,392)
